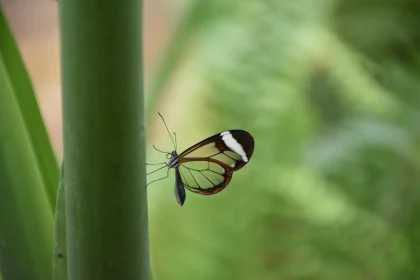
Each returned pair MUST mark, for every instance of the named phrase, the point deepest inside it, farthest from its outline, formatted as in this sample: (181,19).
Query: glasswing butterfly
(206,168)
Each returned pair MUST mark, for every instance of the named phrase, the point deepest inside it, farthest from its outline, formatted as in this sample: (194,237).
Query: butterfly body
(179,186)
(173,161)
(180,194)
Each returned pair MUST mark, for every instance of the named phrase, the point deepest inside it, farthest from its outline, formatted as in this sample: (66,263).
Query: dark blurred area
(329,89)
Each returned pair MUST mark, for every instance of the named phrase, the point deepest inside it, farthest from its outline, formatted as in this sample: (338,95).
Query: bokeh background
(330,90)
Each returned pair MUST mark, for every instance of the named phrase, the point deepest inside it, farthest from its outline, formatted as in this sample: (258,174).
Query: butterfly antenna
(160,150)
(176,143)
(167,130)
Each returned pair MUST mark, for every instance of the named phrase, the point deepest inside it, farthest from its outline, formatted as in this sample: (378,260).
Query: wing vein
(208,169)
(235,160)
(207,178)
(185,180)
(192,176)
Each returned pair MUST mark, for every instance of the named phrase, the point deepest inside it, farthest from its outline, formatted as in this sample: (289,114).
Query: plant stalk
(104,139)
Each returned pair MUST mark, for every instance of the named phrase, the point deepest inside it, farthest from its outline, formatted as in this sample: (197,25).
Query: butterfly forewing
(234,148)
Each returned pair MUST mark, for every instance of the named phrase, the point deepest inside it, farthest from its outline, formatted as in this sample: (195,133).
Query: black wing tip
(242,131)
(250,138)
(238,130)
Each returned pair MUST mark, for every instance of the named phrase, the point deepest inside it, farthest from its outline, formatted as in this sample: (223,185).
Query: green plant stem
(106,202)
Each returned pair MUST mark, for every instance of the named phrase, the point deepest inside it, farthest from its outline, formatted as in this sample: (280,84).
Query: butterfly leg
(164,162)
(167,175)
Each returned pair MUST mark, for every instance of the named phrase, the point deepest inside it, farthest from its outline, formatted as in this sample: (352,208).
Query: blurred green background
(329,89)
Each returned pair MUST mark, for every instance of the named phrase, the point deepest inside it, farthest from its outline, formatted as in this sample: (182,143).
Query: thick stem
(106,206)
(60,245)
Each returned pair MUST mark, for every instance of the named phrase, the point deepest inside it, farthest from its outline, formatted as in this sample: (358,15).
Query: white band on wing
(233,144)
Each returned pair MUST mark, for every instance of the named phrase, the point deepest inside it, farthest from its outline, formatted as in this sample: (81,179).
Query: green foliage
(28,172)
(329,90)
(25,99)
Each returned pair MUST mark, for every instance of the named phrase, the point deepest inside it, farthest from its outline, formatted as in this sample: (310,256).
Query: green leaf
(24,96)
(28,172)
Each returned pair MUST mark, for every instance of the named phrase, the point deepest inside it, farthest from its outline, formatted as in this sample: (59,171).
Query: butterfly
(207,167)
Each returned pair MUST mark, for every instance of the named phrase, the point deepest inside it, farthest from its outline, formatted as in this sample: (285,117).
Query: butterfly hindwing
(204,175)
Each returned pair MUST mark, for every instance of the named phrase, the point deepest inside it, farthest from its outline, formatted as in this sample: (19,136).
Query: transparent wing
(204,175)
(233,148)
